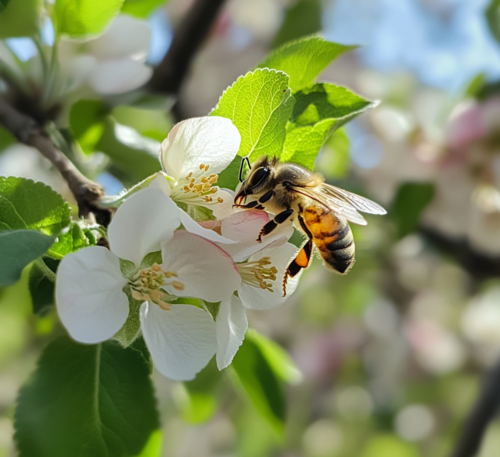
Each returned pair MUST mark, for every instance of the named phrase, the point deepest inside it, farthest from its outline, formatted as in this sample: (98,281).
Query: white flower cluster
(161,261)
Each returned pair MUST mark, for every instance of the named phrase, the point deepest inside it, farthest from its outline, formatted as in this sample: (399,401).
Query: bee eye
(258,176)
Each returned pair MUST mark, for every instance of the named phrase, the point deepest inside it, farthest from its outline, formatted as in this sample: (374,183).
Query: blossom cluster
(184,284)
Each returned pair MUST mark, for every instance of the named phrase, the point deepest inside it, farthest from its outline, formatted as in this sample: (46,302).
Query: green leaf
(86,400)
(319,111)
(411,199)
(303,60)
(492,14)
(19,248)
(141,8)
(228,179)
(259,104)
(70,241)
(260,382)
(197,398)
(301,19)
(278,358)
(131,330)
(41,283)
(86,121)
(32,205)
(334,161)
(80,18)
(6,138)
(19,18)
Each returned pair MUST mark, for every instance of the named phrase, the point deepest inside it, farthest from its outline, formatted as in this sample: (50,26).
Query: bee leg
(252,205)
(273,223)
(301,261)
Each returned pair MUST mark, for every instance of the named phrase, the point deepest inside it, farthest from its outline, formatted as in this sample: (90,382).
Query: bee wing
(332,202)
(360,203)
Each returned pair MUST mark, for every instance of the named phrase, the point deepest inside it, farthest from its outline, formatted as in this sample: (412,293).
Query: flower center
(196,187)
(257,273)
(147,282)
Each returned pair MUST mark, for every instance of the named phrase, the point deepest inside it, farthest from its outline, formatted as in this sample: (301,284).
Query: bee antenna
(242,166)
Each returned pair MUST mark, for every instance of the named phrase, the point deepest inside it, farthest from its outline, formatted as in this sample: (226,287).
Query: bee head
(258,178)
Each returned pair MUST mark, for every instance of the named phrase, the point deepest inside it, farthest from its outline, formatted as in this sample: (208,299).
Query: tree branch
(480,416)
(26,130)
(189,36)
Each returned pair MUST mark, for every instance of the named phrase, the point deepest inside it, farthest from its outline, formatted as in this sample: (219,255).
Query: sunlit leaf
(259,104)
(72,240)
(411,199)
(318,112)
(86,400)
(18,248)
(32,205)
(334,160)
(303,60)
(19,18)
(260,382)
(86,121)
(389,446)
(141,8)
(81,18)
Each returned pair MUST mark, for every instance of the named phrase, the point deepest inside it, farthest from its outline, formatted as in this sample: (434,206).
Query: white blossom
(93,305)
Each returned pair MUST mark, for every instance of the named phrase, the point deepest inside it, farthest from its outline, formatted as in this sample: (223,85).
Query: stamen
(257,273)
(178,285)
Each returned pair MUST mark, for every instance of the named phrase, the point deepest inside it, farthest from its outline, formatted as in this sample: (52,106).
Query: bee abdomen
(333,238)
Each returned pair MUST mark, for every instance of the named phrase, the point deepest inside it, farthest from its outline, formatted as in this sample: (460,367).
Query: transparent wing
(331,202)
(360,203)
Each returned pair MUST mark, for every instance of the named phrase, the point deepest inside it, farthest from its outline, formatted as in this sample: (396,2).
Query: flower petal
(125,37)
(225,209)
(245,226)
(193,227)
(204,269)
(146,219)
(118,76)
(231,326)
(181,341)
(209,140)
(89,296)
(256,298)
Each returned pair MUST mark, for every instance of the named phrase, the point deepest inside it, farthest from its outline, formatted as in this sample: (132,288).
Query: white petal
(141,223)
(193,227)
(161,182)
(209,140)
(231,326)
(118,76)
(89,296)
(125,37)
(257,298)
(181,341)
(245,226)
(225,209)
(205,270)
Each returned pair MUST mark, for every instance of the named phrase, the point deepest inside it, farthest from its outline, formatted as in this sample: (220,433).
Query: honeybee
(321,211)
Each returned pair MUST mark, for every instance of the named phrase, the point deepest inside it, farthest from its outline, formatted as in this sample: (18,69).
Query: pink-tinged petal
(203,268)
(231,326)
(257,298)
(181,341)
(142,223)
(125,37)
(89,296)
(194,227)
(209,140)
(119,76)
(245,226)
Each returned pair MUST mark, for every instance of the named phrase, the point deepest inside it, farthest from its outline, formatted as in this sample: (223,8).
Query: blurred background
(389,359)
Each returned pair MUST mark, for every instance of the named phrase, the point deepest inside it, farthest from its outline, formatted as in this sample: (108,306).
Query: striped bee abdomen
(332,236)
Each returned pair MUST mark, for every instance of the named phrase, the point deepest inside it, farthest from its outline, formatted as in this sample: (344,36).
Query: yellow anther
(169,274)
(220,200)
(165,306)
(178,285)
(189,175)
(156,267)
(207,167)
(202,166)
(136,295)
(156,295)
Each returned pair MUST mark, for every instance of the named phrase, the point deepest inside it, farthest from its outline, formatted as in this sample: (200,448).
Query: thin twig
(195,26)
(480,416)
(26,130)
